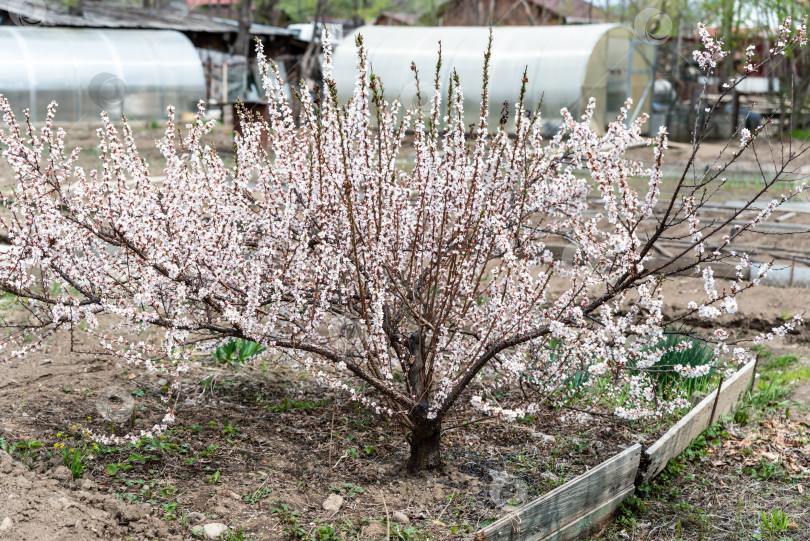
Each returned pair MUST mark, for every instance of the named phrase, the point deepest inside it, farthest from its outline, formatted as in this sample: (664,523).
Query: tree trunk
(425,443)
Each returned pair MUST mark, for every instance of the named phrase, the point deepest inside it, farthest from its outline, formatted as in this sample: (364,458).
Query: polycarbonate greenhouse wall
(566,66)
(136,72)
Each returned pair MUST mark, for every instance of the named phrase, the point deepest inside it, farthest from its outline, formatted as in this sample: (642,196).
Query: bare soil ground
(247,443)
(49,506)
(262,448)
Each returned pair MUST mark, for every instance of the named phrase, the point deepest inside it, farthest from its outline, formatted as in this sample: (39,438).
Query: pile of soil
(49,506)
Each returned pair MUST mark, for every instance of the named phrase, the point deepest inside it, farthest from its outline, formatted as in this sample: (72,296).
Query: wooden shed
(391,18)
(517,12)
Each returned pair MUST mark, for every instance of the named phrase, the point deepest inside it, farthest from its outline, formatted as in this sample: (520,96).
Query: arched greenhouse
(136,72)
(566,66)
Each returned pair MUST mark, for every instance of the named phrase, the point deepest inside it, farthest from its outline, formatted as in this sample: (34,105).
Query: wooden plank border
(574,508)
(593,520)
(702,416)
(584,504)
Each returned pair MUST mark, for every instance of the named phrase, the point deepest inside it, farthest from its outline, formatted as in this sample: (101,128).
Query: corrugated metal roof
(107,15)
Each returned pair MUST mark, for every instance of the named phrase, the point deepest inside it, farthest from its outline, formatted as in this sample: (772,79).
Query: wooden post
(208,78)
(735,112)
(224,85)
(714,405)
(753,374)
(792,270)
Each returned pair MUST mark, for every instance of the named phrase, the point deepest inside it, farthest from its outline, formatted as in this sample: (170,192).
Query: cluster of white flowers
(689,371)
(713,52)
(480,404)
(780,331)
(412,280)
(153,432)
(745,137)
(788,35)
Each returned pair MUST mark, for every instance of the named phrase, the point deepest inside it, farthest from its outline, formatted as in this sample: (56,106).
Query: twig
(344,455)
(716,399)
(387,518)
(445,509)
(607,415)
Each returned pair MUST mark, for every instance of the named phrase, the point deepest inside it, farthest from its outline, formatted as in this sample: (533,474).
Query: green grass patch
(800,133)
(777,377)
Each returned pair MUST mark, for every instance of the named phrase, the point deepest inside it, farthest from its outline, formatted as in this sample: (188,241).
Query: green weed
(400,532)
(115,467)
(289,520)
(74,460)
(776,522)
(236,352)
(162,445)
(213,479)
(708,438)
(256,495)
(236,535)
(231,429)
(27,449)
(170,510)
(350,489)
(766,470)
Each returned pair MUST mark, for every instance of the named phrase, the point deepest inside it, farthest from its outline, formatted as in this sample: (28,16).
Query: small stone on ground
(214,529)
(333,503)
(399,516)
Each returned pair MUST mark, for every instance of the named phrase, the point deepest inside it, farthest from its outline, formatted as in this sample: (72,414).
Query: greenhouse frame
(134,72)
(566,65)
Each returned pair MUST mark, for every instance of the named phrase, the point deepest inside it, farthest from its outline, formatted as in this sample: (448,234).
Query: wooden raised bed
(574,508)
(587,502)
(696,421)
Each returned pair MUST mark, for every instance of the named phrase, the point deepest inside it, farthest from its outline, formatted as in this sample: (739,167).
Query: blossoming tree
(409,288)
